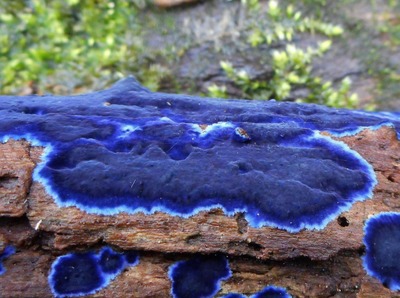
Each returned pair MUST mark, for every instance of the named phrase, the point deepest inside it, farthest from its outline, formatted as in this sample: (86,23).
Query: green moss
(292,67)
(80,43)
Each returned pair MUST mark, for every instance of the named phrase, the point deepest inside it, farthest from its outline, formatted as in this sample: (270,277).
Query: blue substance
(111,262)
(8,251)
(127,149)
(199,276)
(267,292)
(131,257)
(80,274)
(272,292)
(382,241)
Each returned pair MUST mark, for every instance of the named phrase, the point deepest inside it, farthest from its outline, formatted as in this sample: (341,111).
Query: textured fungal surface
(267,292)
(199,276)
(79,274)
(272,292)
(8,251)
(126,149)
(382,242)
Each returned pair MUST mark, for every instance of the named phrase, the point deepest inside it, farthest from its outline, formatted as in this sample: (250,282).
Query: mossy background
(343,53)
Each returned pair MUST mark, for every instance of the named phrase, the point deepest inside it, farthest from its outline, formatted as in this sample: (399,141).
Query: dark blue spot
(272,292)
(131,257)
(111,262)
(382,242)
(8,251)
(80,274)
(76,274)
(234,295)
(199,276)
(126,149)
(267,292)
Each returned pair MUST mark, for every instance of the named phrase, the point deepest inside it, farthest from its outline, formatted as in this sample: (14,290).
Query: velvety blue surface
(234,295)
(382,242)
(8,251)
(80,274)
(131,257)
(110,261)
(267,292)
(272,292)
(199,276)
(128,149)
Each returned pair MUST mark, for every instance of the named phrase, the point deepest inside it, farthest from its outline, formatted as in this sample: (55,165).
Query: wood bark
(323,263)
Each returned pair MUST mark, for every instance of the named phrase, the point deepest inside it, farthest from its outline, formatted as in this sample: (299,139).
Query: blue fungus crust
(234,295)
(110,261)
(80,274)
(382,242)
(8,251)
(272,292)
(198,277)
(127,149)
(131,257)
(267,292)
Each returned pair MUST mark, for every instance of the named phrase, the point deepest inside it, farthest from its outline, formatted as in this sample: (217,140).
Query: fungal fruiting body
(272,292)
(127,149)
(382,242)
(267,292)
(80,274)
(7,252)
(201,276)
(198,277)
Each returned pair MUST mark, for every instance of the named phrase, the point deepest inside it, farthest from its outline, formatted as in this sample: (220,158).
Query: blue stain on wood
(127,149)
(272,292)
(7,252)
(267,292)
(198,277)
(81,274)
(382,242)
(201,276)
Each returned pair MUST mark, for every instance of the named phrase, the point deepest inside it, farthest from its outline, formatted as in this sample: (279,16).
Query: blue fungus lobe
(382,242)
(111,262)
(80,274)
(8,251)
(199,276)
(127,149)
(267,292)
(76,275)
(234,295)
(271,292)
(131,257)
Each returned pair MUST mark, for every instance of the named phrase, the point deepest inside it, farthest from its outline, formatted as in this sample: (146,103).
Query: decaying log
(307,263)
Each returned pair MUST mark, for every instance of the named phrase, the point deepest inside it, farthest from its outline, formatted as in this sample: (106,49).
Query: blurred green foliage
(59,46)
(282,24)
(292,67)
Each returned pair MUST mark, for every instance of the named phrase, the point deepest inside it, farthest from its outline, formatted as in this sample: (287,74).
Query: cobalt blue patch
(382,242)
(8,251)
(234,295)
(198,277)
(127,149)
(110,261)
(272,292)
(131,257)
(80,274)
(267,292)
